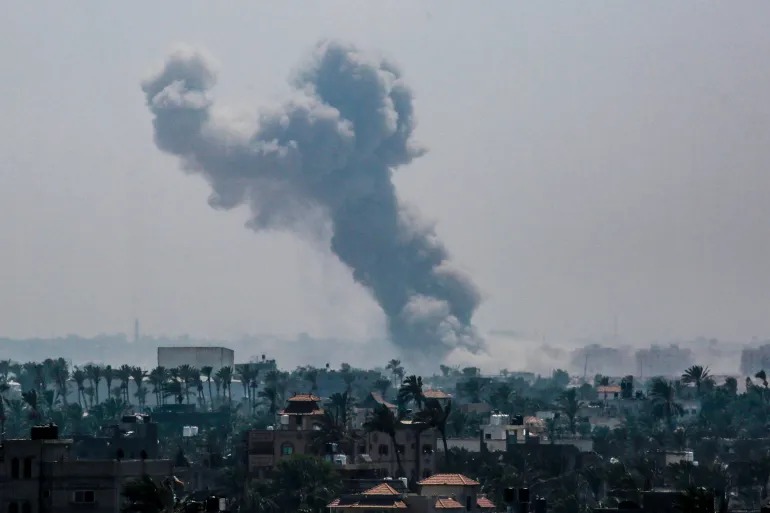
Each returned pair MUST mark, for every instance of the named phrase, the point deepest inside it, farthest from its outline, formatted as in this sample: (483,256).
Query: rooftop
(484,503)
(448,504)
(448,480)
(305,398)
(608,389)
(435,394)
(381,489)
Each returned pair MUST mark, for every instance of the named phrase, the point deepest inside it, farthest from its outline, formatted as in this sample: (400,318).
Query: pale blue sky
(587,159)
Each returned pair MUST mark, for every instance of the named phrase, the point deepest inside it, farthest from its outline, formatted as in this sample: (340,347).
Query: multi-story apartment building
(42,475)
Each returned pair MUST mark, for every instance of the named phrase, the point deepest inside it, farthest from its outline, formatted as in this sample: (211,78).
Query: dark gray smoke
(328,156)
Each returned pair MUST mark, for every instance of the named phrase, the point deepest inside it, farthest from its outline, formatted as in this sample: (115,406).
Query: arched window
(13,508)
(27,469)
(287,449)
(15,468)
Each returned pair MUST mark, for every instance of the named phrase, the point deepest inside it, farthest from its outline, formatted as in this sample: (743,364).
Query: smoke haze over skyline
(587,162)
(325,159)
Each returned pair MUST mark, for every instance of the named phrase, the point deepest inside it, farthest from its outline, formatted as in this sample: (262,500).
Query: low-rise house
(437,493)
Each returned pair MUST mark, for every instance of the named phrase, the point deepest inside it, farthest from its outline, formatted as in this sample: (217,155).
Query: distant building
(755,359)
(663,361)
(198,357)
(135,437)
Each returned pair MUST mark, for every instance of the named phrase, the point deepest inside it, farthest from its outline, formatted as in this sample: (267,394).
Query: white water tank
(284,420)
(340,459)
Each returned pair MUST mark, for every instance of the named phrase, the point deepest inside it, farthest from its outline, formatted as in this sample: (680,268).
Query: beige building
(372,453)
(41,475)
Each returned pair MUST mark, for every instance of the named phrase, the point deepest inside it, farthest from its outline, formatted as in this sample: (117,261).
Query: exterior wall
(53,479)
(216,357)
(266,448)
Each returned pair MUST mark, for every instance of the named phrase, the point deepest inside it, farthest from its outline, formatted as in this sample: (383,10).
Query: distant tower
(136,330)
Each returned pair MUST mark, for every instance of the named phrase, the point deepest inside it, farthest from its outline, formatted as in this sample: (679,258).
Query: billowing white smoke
(331,152)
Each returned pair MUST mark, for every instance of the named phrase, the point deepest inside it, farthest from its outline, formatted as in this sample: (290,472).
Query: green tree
(570,405)
(94,375)
(304,483)
(698,375)
(383,420)
(144,495)
(663,395)
(436,416)
(79,377)
(208,370)
(411,391)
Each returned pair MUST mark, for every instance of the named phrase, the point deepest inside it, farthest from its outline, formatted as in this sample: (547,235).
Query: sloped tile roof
(608,389)
(485,503)
(448,504)
(448,480)
(304,398)
(381,489)
(435,394)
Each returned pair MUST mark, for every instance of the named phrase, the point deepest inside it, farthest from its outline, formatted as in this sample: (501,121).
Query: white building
(216,357)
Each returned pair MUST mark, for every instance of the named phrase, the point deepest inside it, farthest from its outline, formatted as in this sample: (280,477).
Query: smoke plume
(328,155)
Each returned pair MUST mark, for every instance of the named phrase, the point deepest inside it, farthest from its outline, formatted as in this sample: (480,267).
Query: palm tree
(60,373)
(208,370)
(124,375)
(383,420)
(31,398)
(138,375)
(157,379)
(79,376)
(311,376)
(663,394)
(226,375)
(436,416)
(394,366)
(270,395)
(411,390)
(570,405)
(696,374)
(340,404)
(94,374)
(109,374)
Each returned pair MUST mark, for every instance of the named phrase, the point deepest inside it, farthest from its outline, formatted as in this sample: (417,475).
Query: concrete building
(216,357)
(136,436)
(41,474)
(372,455)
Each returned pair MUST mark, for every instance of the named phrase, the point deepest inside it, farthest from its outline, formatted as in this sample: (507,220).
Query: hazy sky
(586,160)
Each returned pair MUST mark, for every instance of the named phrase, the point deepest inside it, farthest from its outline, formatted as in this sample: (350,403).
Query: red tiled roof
(608,389)
(381,489)
(342,504)
(435,394)
(484,503)
(304,398)
(448,480)
(448,504)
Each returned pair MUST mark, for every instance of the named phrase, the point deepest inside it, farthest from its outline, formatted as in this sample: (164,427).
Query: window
(83,497)
(468,503)
(15,468)
(384,450)
(27,468)
(487,436)
(427,449)
(13,507)
(400,448)
(26,507)
(287,449)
